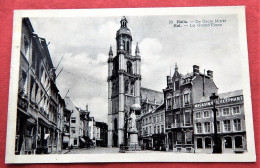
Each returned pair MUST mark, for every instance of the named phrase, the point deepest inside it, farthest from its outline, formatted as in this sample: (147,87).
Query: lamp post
(217,144)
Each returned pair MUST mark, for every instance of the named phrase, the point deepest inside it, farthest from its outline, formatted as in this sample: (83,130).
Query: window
(226,111)
(158,129)
(73,119)
(217,113)
(162,128)
(227,125)
(73,130)
(126,86)
(150,129)
(198,115)
(218,126)
(206,114)
(161,117)
(157,118)
(169,103)
(150,119)
(127,46)
(236,110)
(154,119)
(176,84)
(187,118)
(154,129)
(237,125)
(186,99)
(178,118)
(177,100)
(129,68)
(75,141)
(198,125)
(26,48)
(146,121)
(207,127)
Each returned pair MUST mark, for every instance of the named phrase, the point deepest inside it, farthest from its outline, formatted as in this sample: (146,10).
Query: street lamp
(217,144)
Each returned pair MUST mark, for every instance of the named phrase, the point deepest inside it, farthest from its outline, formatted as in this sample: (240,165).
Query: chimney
(210,74)
(87,107)
(196,69)
(169,80)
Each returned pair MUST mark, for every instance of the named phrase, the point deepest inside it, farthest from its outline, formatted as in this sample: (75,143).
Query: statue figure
(132,119)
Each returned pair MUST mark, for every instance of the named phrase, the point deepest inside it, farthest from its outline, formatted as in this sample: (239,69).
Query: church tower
(124,83)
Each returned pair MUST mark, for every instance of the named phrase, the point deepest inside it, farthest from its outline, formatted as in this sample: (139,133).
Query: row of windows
(156,130)
(170,101)
(225,126)
(203,143)
(154,119)
(73,130)
(225,111)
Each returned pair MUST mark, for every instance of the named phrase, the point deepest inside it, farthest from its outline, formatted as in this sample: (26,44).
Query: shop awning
(46,136)
(83,140)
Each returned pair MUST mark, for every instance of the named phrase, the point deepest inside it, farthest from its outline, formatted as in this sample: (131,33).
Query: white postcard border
(249,156)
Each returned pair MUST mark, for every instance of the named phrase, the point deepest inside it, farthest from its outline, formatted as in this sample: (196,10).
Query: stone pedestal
(133,140)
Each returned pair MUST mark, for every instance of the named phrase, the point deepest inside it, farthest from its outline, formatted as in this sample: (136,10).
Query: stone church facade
(124,83)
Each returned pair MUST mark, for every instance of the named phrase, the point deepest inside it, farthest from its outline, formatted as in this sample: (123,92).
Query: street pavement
(99,150)
(96,150)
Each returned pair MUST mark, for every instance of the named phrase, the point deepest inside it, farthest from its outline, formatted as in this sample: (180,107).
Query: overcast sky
(84,43)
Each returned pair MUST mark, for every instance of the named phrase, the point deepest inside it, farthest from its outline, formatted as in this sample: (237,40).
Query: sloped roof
(151,95)
(224,95)
(69,105)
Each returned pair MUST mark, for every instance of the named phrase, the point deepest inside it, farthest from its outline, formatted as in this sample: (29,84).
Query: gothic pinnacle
(110,51)
(137,51)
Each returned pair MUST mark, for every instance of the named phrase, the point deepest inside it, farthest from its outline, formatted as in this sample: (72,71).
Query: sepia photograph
(130,85)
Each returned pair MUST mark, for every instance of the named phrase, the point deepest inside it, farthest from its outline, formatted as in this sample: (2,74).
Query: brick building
(181,93)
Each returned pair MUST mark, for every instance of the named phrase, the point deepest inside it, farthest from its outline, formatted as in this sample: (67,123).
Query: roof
(123,30)
(69,105)
(224,95)
(190,74)
(151,95)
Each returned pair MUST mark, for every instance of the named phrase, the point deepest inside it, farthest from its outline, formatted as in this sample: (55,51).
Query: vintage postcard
(130,85)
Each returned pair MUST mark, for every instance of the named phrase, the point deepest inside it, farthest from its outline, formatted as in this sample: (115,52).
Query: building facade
(101,134)
(76,125)
(152,129)
(38,127)
(124,82)
(230,123)
(181,93)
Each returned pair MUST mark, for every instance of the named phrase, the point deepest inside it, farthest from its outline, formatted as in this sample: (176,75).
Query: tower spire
(137,51)
(110,51)
(176,67)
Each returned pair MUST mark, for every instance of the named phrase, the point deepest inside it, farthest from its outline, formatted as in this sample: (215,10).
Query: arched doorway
(115,134)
